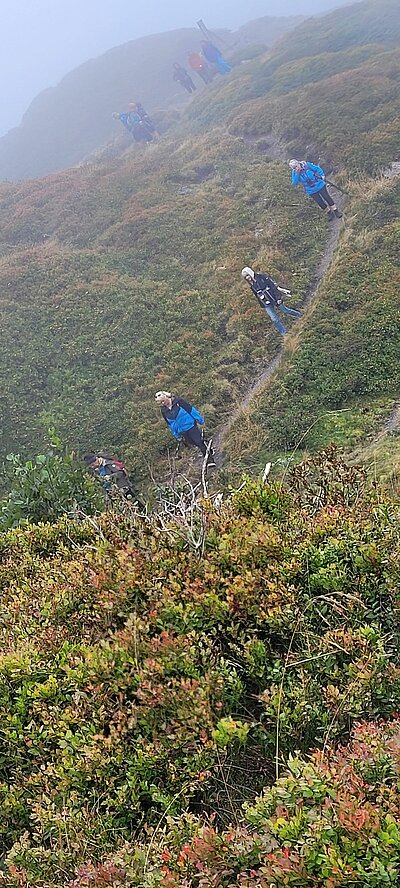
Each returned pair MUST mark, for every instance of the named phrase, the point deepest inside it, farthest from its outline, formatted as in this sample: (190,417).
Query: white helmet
(248,272)
(294,164)
(162,396)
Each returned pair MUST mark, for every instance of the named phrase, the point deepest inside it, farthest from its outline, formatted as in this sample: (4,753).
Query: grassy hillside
(142,679)
(123,277)
(65,124)
(129,296)
(330,86)
(339,380)
(209,697)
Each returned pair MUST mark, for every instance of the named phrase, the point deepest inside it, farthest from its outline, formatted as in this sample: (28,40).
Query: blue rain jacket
(181,417)
(311,177)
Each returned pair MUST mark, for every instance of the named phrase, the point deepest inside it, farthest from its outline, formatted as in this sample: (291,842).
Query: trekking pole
(338,188)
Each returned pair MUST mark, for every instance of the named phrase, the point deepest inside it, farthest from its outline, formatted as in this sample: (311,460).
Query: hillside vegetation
(339,381)
(128,297)
(123,277)
(144,677)
(207,695)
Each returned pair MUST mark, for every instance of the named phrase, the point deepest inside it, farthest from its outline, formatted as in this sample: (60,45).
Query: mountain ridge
(66,123)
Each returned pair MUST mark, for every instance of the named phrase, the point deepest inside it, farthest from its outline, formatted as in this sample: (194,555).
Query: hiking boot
(338,214)
(211,459)
(331,215)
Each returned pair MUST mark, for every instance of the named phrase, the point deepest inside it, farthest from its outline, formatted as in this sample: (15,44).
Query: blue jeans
(274,317)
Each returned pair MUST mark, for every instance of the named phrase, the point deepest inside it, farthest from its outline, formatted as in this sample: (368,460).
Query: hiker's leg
(324,200)
(274,318)
(318,198)
(194,436)
(332,208)
(290,311)
(327,197)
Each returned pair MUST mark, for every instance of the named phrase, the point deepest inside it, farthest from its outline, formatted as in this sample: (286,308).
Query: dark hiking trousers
(193,436)
(204,74)
(323,198)
(188,84)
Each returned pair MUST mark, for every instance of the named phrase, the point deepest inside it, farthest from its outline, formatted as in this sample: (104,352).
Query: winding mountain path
(390,424)
(276,151)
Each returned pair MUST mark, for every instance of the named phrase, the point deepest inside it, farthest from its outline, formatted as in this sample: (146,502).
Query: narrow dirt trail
(392,422)
(390,425)
(276,151)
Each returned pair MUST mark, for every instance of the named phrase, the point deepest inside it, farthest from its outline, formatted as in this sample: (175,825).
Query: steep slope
(66,123)
(339,378)
(135,288)
(120,278)
(359,44)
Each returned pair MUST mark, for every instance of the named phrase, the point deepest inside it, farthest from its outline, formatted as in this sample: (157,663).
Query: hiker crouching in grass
(269,296)
(312,178)
(182,420)
(111,473)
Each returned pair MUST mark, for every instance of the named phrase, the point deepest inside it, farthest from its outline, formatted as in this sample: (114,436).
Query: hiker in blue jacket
(269,296)
(312,178)
(214,56)
(182,420)
(132,122)
(124,118)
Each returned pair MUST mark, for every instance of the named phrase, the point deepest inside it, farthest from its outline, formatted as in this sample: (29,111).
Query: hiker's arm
(197,416)
(295,178)
(316,169)
(191,410)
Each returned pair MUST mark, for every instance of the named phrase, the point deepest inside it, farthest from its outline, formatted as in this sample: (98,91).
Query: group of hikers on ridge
(205,63)
(182,419)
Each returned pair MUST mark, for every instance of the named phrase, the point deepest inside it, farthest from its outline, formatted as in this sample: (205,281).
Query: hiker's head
(248,274)
(162,398)
(91,460)
(295,164)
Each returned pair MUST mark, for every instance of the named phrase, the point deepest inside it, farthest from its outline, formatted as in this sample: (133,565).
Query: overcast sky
(42,40)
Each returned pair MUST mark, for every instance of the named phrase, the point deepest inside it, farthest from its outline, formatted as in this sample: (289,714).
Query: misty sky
(42,40)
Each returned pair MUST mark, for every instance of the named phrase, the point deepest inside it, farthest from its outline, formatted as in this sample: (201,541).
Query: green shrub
(46,487)
(141,680)
(326,823)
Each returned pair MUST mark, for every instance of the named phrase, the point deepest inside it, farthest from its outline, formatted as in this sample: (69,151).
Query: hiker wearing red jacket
(198,64)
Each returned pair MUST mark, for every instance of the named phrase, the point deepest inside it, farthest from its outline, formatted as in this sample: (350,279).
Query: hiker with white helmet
(312,178)
(269,296)
(182,420)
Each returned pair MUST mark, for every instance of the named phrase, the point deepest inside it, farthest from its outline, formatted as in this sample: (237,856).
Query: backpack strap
(316,176)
